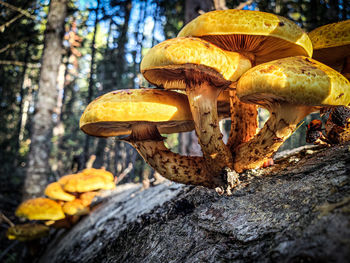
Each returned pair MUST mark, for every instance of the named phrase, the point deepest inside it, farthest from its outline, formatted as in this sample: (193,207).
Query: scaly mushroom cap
(165,63)
(27,232)
(55,191)
(114,113)
(296,80)
(266,36)
(102,172)
(75,207)
(331,43)
(40,209)
(87,182)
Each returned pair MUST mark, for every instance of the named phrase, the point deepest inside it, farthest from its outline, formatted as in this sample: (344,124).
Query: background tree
(38,158)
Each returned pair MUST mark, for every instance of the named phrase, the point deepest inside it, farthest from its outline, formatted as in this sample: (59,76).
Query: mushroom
(142,113)
(55,191)
(27,232)
(290,89)
(40,209)
(101,172)
(258,36)
(86,198)
(87,182)
(332,47)
(203,70)
(76,208)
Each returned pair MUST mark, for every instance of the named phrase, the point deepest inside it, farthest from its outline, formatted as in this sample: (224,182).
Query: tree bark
(295,211)
(38,159)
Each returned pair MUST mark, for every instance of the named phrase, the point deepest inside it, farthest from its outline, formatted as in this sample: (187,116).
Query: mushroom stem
(175,167)
(281,124)
(203,103)
(244,120)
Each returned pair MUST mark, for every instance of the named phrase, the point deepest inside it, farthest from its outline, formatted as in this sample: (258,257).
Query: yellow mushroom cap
(65,178)
(55,191)
(102,172)
(165,63)
(114,113)
(40,209)
(331,43)
(265,35)
(296,80)
(87,182)
(76,207)
(27,232)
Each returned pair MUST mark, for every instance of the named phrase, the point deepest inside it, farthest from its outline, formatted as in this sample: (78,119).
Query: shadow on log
(295,211)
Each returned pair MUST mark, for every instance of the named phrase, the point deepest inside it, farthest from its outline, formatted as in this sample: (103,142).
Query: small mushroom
(141,113)
(81,182)
(27,232)
(76,208)
(102,172)
(259,37)
(203,70)
(40,209)
(290,89)
(55,191)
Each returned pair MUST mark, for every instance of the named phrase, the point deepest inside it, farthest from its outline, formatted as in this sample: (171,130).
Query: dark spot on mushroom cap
(339,96)
(268,70)
(206,45)
(281,24)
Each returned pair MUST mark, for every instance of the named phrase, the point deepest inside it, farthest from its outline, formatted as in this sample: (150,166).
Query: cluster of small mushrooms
(225,63)
(68,199)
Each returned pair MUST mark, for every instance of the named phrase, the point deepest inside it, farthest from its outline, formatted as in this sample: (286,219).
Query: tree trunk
(21,103)
(38,158)
(295,211)
(91,80)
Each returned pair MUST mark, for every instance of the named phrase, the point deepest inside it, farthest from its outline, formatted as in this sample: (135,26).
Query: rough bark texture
(38,158)
(295,211)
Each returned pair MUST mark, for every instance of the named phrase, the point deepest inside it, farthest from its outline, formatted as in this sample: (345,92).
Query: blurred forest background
(103,43)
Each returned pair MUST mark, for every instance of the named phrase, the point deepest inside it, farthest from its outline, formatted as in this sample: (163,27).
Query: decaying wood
(295,211)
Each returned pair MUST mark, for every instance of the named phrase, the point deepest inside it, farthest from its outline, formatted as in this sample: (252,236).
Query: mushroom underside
(259,49)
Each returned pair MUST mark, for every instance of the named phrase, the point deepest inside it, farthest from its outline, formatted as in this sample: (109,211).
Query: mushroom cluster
(225,63)
(67,200)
